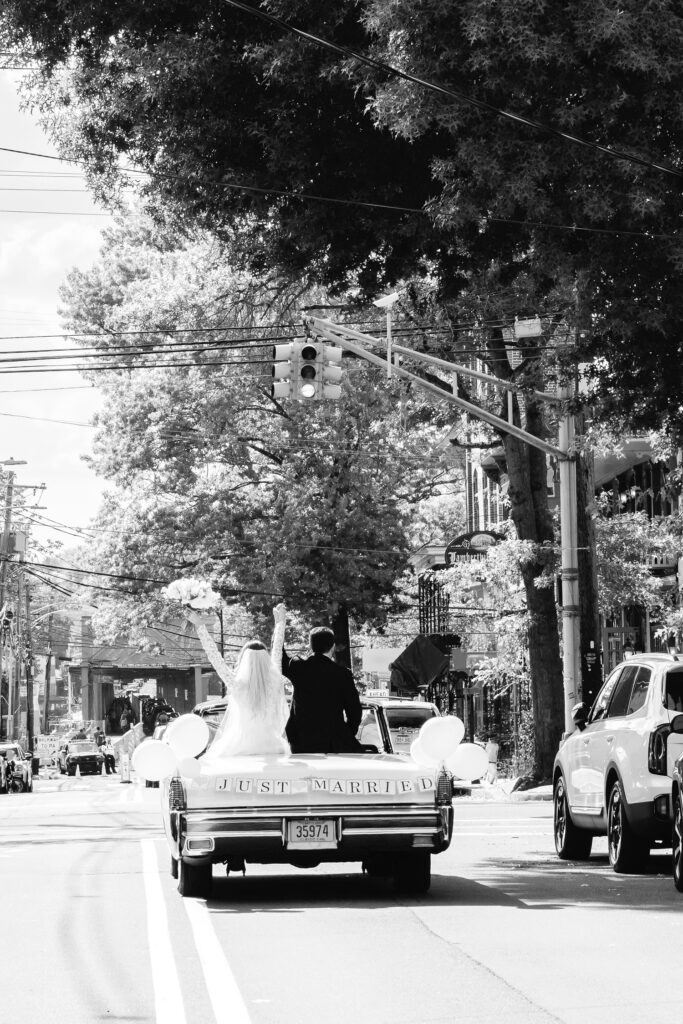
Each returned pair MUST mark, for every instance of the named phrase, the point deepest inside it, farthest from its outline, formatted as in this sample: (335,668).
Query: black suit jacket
(326,711)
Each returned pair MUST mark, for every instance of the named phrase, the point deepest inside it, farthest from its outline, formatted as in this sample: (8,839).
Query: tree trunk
(528,494)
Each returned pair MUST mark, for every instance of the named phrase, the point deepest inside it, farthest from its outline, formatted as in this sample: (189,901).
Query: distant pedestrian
(109,758)
(492,755)
(99,737)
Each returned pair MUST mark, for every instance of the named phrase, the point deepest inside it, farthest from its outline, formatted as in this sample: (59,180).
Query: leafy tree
(211,476)
(204,98)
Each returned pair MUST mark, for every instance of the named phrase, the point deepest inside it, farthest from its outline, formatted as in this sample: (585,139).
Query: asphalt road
(93,928)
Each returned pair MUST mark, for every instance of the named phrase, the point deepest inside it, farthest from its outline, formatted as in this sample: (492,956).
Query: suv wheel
(571,843)
(627,851)
(677,843)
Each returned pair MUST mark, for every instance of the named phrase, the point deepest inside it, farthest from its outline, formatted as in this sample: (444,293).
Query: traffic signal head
(285,360)
(320,370)
(307,370)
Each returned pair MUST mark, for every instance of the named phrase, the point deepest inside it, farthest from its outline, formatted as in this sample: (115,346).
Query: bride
(257,712)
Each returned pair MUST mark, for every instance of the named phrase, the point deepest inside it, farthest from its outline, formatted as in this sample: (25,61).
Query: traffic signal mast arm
(346,338)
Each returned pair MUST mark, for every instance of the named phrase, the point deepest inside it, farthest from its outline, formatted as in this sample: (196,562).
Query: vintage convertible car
(376,808)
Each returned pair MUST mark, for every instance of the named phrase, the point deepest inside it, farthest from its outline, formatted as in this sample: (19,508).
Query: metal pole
(4,556)
(571,649)
(388,342)
(19,661)
(30,722)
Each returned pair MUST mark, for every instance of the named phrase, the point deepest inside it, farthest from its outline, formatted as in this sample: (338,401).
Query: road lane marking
(168,998)
(226,999)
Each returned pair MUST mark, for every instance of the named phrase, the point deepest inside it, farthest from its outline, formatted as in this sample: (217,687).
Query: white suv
(612,776)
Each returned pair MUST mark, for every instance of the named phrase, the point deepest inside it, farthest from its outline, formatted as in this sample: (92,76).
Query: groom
(326,711)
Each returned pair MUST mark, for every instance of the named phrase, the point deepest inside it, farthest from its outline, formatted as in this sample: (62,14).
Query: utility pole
(27,651)
(4,556)
(571,646)
(48,670)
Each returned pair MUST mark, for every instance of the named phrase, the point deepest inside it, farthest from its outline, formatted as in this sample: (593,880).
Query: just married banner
(339,787)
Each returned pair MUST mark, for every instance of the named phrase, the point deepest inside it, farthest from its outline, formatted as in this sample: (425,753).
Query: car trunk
(309,780)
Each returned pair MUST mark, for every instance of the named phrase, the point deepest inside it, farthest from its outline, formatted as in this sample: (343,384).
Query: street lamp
(387,302)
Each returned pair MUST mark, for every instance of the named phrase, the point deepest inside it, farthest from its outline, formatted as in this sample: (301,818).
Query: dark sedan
(82,756)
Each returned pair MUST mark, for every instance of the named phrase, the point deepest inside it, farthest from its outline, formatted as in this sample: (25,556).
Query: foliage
(213,478)
(624,542)
(205,98)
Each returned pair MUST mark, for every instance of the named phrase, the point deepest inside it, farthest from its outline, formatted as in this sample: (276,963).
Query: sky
(44,417)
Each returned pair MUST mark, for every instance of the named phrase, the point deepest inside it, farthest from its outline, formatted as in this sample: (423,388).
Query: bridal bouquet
(191,593)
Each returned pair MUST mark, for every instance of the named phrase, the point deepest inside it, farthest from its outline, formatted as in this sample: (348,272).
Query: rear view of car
(677,803)
(403,720)
(613,775)
(82,756)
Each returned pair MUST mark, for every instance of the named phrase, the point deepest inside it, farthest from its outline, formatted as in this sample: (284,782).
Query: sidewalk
(500,791)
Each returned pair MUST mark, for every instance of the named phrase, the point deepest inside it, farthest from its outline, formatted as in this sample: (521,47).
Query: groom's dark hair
(321,639)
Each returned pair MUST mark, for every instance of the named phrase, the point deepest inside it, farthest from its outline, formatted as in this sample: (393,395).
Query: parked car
(83,755)
(677,801)
(404,719)
(16,768)
(612,776)
(379,809)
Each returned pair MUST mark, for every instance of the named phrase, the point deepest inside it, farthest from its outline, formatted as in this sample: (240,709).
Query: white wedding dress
(257,712)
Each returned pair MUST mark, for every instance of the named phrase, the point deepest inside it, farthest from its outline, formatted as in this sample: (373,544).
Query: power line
(44,419)
(367,205)
(490,108)
(57,213)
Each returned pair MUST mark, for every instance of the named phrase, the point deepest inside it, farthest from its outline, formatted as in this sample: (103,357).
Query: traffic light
(319,371)
(285,364)
(309,370)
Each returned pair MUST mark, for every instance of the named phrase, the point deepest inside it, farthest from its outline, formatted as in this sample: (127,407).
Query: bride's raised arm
(209,645)
(280,616)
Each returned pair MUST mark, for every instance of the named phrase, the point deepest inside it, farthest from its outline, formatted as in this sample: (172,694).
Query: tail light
(444,788)
(656,753)
(176,795)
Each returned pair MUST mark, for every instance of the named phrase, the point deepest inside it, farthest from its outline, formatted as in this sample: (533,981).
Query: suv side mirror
(579,715)
(677,723)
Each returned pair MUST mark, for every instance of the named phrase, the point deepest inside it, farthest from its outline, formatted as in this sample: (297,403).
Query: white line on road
(228,1005)
(168,998)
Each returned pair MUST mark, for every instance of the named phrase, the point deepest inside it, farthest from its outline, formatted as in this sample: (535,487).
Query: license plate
(312,834)
(405,739)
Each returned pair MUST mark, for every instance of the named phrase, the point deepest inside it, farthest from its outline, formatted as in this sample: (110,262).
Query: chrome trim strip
(322,811)
(390,832)
(251,834)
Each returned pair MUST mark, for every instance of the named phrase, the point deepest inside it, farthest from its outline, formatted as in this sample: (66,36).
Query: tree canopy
(237,121)
(211,476)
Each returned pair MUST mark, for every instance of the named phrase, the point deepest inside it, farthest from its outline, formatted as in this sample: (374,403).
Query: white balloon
(439,737)
(189,768)
(469,762)
(154,760)
(187,736)
(418,754)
